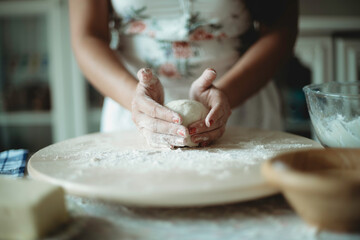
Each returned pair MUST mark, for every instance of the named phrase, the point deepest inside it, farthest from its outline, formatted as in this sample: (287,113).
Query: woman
(176,40)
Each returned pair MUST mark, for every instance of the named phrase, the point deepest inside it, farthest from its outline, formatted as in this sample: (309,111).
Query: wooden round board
(121,167)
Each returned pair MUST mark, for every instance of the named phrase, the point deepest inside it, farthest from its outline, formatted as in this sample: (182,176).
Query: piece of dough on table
(30,209)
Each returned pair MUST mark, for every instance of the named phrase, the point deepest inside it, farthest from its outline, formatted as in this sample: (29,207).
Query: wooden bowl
(322,185)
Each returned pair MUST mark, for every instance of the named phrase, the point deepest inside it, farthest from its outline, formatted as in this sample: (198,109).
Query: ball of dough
(191,111)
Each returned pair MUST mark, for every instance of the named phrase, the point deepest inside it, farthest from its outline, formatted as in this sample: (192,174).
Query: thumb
(146,77)
(206,79)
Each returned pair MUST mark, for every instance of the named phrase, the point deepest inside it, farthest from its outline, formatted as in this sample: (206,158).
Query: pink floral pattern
(136,27)
(181,50)
(200,34)
(168,70)
(174,60)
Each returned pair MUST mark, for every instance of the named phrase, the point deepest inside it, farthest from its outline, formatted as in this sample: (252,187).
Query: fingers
(163,140)
(148,106)
(206,79)
(143,121)
(216,113)
(200,126)
(217,117)
(206,138)
(213,126)
(146,77)
(203,134)
(149,96)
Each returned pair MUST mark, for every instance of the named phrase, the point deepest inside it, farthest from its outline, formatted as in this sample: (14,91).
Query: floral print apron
(179,39)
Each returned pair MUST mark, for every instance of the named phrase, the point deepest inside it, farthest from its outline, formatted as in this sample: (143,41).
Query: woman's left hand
(202,90)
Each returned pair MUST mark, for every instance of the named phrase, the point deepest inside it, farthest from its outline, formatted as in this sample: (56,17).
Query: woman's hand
(160,126)
(202,90)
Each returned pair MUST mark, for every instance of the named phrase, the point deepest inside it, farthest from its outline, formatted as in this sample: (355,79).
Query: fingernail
(181,132)
(211,122)
(146,75)
(176,120)
(146,70)
(212,70)
(192,130)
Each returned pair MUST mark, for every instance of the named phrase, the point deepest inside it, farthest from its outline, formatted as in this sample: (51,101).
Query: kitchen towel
(13,162)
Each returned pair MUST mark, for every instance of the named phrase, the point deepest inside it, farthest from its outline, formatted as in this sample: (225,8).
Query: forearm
(263,59)
(255,68)
(104,70)
(90,41)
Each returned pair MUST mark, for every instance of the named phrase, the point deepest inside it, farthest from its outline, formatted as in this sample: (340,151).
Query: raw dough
(191,111)
(30,209)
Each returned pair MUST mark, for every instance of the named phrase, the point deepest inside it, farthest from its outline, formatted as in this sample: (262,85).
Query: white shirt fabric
(178,40)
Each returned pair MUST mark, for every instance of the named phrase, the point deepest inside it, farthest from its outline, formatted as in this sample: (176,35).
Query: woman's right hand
(160,126)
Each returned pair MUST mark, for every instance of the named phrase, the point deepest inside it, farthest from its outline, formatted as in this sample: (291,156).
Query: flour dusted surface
(120,166)
(240,152)
(203,160)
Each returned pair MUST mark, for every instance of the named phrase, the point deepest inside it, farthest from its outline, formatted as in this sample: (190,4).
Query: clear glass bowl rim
(309,89)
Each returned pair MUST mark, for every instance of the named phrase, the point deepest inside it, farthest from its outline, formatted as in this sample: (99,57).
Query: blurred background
(45,99)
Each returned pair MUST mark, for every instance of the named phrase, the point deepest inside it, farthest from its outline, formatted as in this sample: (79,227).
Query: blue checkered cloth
(13,162)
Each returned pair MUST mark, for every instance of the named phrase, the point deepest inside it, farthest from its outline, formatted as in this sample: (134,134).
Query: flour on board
(235,152)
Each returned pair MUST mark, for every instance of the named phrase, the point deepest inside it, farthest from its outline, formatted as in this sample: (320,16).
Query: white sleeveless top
(178,40)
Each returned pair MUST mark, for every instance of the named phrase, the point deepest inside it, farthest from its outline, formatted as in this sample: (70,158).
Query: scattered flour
(236,152)
(120,166)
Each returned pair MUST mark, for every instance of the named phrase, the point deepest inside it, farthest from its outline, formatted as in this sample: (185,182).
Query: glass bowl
(334,109)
